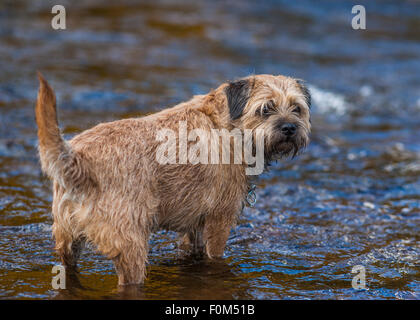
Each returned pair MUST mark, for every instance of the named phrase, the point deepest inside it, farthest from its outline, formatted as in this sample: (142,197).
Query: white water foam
(327,102)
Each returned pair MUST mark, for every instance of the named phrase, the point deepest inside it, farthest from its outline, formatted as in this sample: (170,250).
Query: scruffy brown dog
(110,190)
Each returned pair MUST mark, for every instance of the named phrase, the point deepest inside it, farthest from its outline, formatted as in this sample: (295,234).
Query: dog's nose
(288,129)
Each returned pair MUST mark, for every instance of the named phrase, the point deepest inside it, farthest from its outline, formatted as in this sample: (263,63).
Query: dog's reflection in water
(187,278)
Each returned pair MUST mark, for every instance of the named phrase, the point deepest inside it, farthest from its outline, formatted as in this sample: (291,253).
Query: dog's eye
(268,108)
(296,110)
(265,110)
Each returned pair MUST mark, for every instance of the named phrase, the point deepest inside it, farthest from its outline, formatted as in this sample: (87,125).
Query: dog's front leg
(215,235)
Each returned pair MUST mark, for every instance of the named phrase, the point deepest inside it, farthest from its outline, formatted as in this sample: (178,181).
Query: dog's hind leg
(67,247)
(67,244)
(121,230)
(130,262)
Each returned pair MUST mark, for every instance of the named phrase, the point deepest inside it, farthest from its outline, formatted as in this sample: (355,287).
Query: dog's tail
(58,161)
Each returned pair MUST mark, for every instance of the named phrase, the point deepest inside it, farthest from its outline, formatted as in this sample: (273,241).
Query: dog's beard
(279,147)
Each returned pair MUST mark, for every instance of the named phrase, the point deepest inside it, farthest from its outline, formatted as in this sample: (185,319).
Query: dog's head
(278,105)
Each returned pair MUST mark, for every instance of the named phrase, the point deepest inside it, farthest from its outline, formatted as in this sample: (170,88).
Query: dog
(110,190)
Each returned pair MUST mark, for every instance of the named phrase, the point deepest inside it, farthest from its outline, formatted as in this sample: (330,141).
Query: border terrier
(109,189)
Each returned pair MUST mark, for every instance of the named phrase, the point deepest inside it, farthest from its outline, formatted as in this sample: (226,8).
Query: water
(352,199)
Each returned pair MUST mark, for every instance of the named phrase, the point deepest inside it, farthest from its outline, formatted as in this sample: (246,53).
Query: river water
(353,198)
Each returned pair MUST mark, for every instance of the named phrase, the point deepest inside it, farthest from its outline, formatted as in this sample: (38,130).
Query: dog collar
(251,197)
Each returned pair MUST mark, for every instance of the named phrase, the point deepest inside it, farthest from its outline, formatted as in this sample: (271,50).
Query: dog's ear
(237,93)
(305,92)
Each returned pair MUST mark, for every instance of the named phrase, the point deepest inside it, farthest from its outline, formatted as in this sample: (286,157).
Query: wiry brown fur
(110,190)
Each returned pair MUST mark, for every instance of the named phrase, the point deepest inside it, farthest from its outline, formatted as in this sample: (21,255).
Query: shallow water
(352,199)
